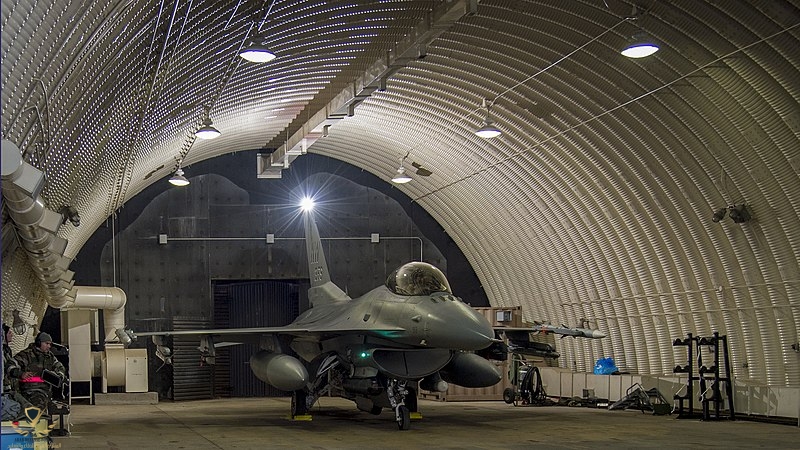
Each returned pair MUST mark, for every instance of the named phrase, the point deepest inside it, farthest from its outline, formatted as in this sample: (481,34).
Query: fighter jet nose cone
(483,336)
(598,334)
(476,332)
(447,322)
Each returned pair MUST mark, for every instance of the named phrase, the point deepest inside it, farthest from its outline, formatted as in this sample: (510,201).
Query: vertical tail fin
(322,290)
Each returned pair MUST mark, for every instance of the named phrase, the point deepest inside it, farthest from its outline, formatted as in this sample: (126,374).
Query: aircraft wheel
(404,418)
(509,395)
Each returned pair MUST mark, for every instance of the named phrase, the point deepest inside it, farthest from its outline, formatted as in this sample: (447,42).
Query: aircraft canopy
(417,278)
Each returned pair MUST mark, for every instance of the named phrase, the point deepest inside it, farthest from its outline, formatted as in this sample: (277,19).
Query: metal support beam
(412,47)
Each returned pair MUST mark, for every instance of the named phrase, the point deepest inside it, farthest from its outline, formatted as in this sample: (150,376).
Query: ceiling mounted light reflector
(178,179)
(257,53)
(640,46)
(488,130)
(207,131)
(401,177)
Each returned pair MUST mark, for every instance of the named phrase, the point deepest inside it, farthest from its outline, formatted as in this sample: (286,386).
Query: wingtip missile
(566,331)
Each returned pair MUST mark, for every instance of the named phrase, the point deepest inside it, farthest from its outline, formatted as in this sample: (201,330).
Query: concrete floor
(262,423)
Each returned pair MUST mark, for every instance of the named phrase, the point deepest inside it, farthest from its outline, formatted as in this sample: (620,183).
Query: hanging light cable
(493,130)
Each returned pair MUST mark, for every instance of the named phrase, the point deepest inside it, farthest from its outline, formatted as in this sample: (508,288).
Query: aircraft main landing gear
(300,405)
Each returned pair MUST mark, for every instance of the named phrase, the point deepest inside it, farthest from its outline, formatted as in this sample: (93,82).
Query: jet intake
(470,370)
(284,372)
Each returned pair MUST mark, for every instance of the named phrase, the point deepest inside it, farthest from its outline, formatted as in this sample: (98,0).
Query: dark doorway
(247,304)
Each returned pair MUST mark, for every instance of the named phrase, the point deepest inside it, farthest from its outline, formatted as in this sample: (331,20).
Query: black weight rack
(710,378)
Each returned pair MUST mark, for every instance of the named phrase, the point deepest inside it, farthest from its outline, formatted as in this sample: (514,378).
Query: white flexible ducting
(110,299)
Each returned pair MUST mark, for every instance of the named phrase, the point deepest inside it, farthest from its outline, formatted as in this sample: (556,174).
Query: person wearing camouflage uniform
(33,361)
(14,404)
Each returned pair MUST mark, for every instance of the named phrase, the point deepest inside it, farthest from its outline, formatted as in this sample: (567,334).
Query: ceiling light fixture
(640,46)
(257,53)
(207,131)
(488,130)
(737,213)
(719,215)
(178,179)
(401,177)
(18,324)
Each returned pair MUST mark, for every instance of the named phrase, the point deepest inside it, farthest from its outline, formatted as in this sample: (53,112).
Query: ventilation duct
(110,299)
(37,227)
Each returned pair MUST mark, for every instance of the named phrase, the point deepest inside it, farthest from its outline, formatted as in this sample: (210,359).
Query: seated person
(33,361)
(14,404)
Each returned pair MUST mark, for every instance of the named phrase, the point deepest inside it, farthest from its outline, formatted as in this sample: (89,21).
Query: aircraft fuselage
(440,321)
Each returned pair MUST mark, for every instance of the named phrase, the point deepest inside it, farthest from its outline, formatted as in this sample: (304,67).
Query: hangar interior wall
(215,233)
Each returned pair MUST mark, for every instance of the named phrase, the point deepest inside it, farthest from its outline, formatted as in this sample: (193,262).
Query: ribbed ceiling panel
(595,204)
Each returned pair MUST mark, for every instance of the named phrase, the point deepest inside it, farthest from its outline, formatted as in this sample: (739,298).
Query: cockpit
(417,278)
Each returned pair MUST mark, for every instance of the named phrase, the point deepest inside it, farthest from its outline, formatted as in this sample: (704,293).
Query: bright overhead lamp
(178,179)
(488,130)
(401,177)
(640,46)
(207,131)
(307,204)
(257,53)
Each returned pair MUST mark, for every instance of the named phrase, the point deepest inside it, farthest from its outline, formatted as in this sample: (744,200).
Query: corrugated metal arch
(595,204)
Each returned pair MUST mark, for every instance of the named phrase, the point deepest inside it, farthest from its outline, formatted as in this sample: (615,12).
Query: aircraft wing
(574,332)
(226,331)
(252,334)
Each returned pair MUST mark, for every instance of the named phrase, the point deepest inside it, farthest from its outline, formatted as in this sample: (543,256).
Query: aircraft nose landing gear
(396,391)
(403,417)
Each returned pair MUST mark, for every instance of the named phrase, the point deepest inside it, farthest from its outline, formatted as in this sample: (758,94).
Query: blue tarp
(605,366)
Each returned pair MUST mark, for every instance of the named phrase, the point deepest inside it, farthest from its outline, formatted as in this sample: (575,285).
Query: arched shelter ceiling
(594,204)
